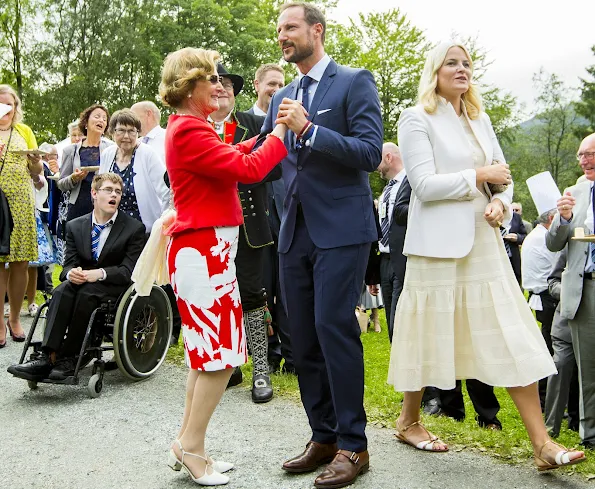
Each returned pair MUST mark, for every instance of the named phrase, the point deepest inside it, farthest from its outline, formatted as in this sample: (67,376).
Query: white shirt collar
(258,111)
(153,132)
(399,176)
(112,220)
(318,69)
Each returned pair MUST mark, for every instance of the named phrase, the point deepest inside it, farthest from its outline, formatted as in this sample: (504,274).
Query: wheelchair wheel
(95,386)
(142,329)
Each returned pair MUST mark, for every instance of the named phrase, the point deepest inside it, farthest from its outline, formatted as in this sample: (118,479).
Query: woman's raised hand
(79,174)
(279,131)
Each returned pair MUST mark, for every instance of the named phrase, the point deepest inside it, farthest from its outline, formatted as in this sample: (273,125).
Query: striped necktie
(593,244)
(95,233)
(385,221)
(504,232)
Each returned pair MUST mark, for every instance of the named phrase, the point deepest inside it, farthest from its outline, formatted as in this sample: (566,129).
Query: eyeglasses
(130,132)
(214,79)
(227,85)
(589,155)
(110,190)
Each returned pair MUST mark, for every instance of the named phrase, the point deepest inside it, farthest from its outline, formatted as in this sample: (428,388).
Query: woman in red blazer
(203,173)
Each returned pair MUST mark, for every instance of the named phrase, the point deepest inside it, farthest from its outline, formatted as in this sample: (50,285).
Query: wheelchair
(138,328)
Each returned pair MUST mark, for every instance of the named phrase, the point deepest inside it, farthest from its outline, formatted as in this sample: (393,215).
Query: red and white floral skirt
(202,273)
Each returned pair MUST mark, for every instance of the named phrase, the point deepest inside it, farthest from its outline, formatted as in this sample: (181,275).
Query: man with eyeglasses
(517,208)
(577,302)
(102,248)
(234,127)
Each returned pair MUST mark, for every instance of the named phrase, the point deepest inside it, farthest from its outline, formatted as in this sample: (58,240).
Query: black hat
(237,80)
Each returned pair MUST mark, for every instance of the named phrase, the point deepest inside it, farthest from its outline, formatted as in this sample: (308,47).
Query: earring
(189,95)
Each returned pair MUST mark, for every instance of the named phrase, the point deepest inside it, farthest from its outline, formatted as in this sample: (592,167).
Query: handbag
(6,221)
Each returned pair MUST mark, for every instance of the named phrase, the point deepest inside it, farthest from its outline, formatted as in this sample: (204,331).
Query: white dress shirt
(103,235)
(258,111)
(391,205)
(156,140)
(316,73)
(536,264)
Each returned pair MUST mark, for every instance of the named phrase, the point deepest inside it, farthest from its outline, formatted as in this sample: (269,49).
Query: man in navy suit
(335,140)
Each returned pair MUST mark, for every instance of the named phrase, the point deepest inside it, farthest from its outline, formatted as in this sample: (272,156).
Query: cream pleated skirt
(466,319)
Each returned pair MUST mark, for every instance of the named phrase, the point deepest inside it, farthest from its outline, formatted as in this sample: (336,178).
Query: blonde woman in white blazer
(461,314)
(145,195)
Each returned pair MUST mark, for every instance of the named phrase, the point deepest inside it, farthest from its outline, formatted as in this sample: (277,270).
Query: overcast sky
(521,35)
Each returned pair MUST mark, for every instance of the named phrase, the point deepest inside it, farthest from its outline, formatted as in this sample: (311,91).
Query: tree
(14,15)
(547,142)
(586,106)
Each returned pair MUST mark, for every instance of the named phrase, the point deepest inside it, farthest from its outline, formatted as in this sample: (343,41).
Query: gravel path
(57,437)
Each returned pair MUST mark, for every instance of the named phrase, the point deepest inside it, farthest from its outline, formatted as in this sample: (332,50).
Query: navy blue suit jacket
(330,178)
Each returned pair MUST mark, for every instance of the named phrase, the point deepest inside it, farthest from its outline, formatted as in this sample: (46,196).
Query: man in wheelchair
(102,248)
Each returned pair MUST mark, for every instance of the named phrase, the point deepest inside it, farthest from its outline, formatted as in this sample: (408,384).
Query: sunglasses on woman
(214,79)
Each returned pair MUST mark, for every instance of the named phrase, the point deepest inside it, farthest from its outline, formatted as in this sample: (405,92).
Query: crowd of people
(275,231)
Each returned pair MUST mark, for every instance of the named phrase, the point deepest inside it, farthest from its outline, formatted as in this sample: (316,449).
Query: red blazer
(204,171)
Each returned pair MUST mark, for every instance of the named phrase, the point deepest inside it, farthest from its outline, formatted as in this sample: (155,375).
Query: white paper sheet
(4,109)
(544,191)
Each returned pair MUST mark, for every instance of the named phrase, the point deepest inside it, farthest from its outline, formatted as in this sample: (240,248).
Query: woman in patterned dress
(461,314)
(144,195)
(203,173)
(16,173)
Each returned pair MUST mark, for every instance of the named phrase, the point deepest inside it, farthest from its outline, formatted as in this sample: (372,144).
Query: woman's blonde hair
(181,70)
(18,108)
(427,94)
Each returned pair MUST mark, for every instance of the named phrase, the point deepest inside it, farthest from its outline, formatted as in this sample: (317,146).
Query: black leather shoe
(588,444)
(432,407)
(262,390)
(35,369)
(274,368)
(63,369)
(236,377)
(288,369)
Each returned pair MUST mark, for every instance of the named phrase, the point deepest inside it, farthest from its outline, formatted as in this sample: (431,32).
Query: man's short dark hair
(312,14)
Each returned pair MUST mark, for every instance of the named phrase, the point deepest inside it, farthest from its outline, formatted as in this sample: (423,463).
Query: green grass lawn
(383,405)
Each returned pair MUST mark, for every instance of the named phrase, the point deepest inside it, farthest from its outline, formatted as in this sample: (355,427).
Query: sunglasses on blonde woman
(214,79)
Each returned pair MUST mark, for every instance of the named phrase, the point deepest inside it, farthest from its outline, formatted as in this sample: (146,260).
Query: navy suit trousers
(321,288)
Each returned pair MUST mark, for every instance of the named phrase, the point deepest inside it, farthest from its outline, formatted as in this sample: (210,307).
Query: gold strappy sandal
(426,445)
(562,458)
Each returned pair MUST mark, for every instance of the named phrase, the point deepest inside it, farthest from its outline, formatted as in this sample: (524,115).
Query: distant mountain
(536,121)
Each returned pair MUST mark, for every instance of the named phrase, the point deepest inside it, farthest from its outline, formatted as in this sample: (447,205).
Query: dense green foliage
(64,55)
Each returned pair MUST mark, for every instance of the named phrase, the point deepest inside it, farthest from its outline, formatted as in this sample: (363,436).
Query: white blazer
(152,195)
(439,165)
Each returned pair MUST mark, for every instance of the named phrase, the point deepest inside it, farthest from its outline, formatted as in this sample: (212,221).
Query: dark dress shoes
(236,377)
(311,458)
(63,369)
(35,369)
(432,407)
(262,390)
(343,470)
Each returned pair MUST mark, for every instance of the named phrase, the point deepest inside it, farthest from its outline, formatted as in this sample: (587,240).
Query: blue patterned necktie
(304,85)
(385,221)
(95,233)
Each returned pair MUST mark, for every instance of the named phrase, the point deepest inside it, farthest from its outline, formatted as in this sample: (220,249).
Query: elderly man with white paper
(572,222)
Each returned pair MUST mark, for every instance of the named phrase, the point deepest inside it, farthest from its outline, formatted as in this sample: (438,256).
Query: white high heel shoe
(219,465)
(213,479)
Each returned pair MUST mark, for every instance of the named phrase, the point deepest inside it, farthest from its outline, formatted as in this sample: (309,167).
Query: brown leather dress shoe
(343,470)
(311,458)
